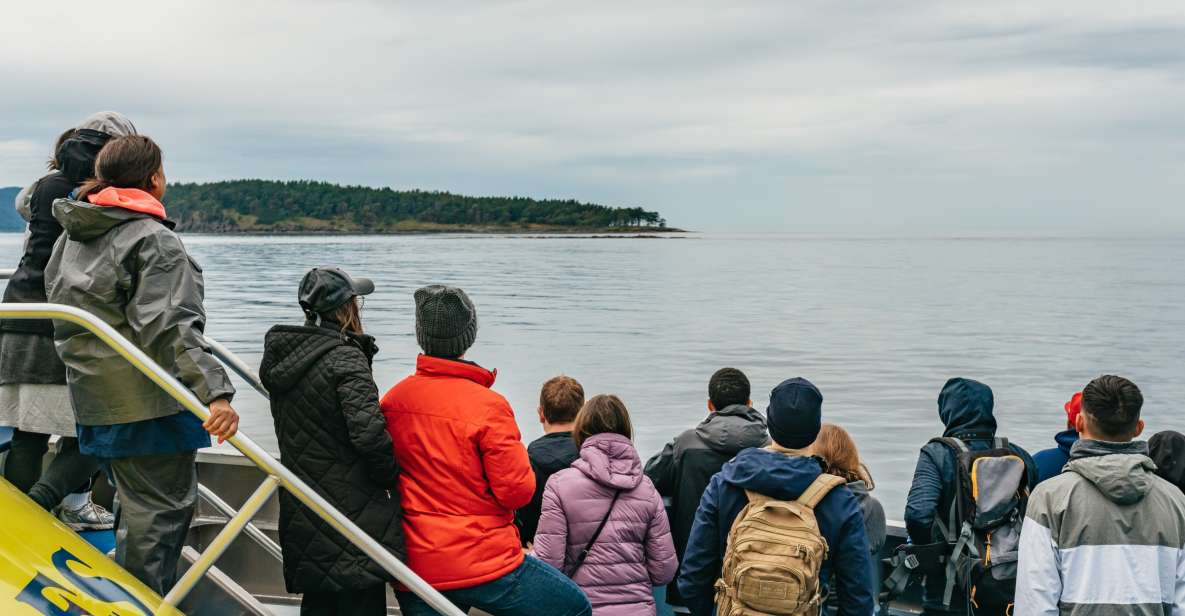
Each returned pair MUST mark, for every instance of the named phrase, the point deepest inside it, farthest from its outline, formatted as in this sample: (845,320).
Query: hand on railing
(223,421)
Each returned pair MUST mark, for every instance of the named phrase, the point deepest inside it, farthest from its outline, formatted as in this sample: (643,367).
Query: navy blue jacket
(1050,461)
(965,407)
(783,477)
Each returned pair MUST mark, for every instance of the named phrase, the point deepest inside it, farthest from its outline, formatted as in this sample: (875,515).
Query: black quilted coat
(332,434)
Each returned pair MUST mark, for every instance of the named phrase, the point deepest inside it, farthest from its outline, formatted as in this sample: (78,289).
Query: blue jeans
(534,589)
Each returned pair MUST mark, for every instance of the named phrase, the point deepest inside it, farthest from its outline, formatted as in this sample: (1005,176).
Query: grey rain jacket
(132,271)
(682,470)
(965,408)
(1104,537)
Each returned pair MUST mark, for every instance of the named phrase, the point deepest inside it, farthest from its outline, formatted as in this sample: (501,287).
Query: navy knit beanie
(795,413)
(446,321)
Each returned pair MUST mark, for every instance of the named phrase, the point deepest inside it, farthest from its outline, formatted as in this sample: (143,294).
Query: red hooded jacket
(464,470)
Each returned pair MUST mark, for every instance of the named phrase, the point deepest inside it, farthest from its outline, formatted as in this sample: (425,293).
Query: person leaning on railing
(120,260)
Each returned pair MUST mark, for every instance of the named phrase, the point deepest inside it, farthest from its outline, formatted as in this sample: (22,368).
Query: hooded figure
(634,551)
(1167,450)
(33,395)
(965,407)
(682,470)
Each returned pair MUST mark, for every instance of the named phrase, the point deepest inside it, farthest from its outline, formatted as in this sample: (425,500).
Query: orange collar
(132,199)
(427,365)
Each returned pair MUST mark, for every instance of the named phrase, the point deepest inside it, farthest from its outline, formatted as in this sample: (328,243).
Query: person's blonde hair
(840,456)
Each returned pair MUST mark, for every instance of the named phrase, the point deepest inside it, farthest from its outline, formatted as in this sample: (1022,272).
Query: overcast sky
(789,116)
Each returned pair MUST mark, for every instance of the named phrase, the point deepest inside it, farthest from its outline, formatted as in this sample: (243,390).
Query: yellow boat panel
(48,570)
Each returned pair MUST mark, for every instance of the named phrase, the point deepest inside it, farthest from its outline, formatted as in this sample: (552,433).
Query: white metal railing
(278,475)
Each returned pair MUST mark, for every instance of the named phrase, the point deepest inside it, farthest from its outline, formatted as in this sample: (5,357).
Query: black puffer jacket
(333,436)
(686,465)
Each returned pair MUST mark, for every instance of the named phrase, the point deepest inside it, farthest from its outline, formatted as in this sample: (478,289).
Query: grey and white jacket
(1104,537)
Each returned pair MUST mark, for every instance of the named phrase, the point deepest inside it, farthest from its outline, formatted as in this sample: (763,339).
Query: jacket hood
(774,474)
(1121,471)
(290,351)
(84,221)
(552,452)
(1065,440)
(610,460)
(965,407)
(859,487)
(733,428)
(77,154)
(1167,450)
(132,199)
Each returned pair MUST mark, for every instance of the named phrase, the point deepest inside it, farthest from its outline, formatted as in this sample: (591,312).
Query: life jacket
(773,556)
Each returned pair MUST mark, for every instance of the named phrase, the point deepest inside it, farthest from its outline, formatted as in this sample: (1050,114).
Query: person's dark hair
(728,386)
(348,317)
(561,399)
(601,414)
(53,163)
(1112,406)
(125,162)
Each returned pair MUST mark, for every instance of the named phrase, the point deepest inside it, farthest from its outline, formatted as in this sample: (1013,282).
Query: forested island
(264,206)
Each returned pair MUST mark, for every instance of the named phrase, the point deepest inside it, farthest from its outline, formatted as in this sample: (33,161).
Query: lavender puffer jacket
(634,552)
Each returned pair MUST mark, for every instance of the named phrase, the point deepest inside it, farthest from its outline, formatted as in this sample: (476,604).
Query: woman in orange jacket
(464,472)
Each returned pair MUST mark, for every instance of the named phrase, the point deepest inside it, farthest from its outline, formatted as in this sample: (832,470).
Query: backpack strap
(1000,443)
(950,529)
(819,488)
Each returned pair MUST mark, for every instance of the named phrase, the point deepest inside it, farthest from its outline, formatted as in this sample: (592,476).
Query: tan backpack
(774,553)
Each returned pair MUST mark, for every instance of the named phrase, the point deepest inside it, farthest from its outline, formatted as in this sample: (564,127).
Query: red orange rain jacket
(463,472)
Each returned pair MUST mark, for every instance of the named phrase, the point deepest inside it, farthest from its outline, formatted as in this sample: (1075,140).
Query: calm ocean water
(877,324)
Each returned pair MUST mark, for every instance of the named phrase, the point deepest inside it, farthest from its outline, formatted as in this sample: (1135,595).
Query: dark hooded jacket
(784,477)
(965,407)
(1167,450)
(333,436)
(549,454)
(27,352)
(131,270)
(1050,462)
(682,470)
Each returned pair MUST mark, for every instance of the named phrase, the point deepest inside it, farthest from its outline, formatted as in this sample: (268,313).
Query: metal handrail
(237,365)
(278,474)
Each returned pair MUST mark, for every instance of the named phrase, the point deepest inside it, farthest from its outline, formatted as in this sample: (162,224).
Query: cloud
(748,115)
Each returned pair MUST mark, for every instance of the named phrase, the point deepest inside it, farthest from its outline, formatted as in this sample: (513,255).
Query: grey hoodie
(1104,537)
(132,271)
(682,470)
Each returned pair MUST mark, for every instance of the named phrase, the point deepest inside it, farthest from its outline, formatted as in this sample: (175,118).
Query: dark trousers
(155,499)
(365,602)
(70,470)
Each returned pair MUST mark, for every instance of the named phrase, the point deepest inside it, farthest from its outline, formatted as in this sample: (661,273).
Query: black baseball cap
(325,289)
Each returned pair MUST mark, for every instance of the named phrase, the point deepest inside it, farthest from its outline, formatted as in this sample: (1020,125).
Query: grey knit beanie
(446,321)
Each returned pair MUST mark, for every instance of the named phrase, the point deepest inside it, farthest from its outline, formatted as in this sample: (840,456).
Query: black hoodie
(325,406)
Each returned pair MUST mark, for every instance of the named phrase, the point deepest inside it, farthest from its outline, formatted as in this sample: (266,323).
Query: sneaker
(88,517)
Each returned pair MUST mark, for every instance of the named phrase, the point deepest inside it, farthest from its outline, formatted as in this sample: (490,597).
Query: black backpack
(978,543)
